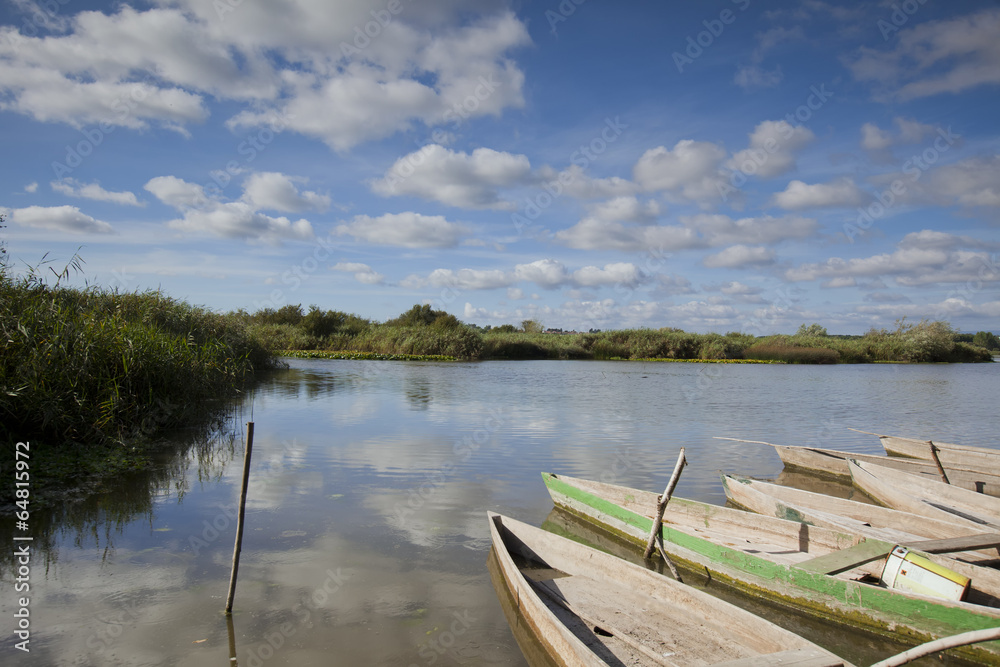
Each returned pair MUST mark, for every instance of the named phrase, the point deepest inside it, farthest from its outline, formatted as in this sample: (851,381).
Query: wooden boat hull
(777,501)
(958,457)
(841,514)
(834,463)
(919,495)
(747,565)
(562,589)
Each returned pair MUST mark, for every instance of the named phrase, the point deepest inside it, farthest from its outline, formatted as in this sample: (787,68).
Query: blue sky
(713,166)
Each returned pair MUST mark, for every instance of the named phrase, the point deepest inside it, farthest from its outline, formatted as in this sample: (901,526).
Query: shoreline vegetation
(423,333)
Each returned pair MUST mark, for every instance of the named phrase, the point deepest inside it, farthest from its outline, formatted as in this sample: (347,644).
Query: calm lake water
(366,539)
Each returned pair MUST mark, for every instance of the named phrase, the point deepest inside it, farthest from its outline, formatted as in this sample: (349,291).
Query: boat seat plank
(795,658)
(846,559)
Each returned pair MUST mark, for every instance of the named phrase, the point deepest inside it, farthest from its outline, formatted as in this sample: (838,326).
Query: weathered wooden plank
(953,544)
(847,559)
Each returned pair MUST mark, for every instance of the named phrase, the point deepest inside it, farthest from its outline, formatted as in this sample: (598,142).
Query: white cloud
(409,230)
(798,195)
(626,209)
(74,188)
(31,187)
(921,258)
(754,76)
(736,288)
(697,231)
(59,218)
(738,256)
(873,138)
(277,192)
(772,149)
(972,182)
(362,272)
(455,178)
(574,182)
(236,219)
(934,57)
(546,273)
(690,169)
(159,66)
(176,192)
(464,74)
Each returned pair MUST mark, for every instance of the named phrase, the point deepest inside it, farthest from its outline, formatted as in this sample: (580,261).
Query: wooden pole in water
(239,520)
(661,504)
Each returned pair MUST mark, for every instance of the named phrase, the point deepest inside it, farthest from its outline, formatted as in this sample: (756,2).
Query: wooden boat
(919,495)
(833,462)
(809,568)
(818,509)
(587,607)
(959,457)
(872,522)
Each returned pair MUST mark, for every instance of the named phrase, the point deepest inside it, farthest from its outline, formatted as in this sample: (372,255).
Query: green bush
(792,354)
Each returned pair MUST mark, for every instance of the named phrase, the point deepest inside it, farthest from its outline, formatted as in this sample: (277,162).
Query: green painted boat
(780,560)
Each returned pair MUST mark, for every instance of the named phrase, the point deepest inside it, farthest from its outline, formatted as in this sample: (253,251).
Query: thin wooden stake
(937,461)
(239,520)
(661,504)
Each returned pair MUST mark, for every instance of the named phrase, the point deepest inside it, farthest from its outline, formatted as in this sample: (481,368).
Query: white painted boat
(919,495)
(589,608)
(833,462)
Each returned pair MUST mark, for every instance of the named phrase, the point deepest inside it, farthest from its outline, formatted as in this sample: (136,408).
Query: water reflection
(366,529)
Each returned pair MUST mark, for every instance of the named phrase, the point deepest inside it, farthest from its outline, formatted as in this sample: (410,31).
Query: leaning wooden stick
(942,644)
(661,504)
(239,519)
(937,461)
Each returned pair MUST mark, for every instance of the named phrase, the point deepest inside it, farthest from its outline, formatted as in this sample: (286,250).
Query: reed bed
(90,376)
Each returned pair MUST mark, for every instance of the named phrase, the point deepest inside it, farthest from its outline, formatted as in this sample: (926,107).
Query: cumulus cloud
(362,272)
(690,169)
(455,178)
(740,256)
(202,214)
(934,57)
(408,230)
(755,76)
(920,258)
(277,192)
(772,149)
(697,231)
(798,195)
(74,188)
(546,273)
(291,59)
(59,218)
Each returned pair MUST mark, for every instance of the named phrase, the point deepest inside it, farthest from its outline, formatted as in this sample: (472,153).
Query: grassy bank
(423,331)
(90,376)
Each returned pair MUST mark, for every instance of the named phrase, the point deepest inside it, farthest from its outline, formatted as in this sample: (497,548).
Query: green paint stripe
(876,605)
